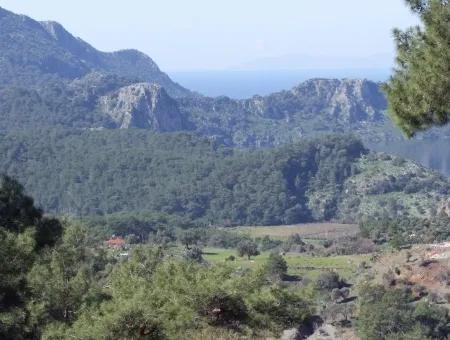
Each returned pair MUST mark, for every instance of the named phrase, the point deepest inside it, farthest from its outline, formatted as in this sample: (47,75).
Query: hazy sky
(219,34)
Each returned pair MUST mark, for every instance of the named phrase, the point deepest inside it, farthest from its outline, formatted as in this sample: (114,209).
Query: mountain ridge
(51,79)
(47,49)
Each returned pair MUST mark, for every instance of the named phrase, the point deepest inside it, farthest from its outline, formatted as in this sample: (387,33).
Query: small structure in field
(115,242)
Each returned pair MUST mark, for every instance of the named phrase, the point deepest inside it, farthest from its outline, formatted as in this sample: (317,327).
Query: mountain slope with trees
(85,173)
(34,53)
(51,79)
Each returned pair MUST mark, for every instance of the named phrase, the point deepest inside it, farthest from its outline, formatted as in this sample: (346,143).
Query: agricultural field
(313,231)
(299,265)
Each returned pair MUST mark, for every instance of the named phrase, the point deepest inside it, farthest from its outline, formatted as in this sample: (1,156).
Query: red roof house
(115,242)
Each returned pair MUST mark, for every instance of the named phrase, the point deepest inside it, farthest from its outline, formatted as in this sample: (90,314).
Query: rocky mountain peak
(136,57)
(143,105)
(351,100)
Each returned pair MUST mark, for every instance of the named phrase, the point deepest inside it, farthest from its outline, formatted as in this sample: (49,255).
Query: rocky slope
(348,101)
(315,106)
(145,106)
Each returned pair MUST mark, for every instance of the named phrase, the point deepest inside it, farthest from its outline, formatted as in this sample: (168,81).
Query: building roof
(115,242)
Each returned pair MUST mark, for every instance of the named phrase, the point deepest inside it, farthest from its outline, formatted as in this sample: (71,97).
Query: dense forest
(88,173)
(104,172)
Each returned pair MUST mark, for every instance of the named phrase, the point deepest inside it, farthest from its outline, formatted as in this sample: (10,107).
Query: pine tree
(419,91)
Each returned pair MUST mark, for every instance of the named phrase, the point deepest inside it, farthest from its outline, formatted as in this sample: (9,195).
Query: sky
(193,35)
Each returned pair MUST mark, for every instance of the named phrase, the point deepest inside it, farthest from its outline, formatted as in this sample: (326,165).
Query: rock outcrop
(314,106)
(347,100)
(143,105)
(444,208)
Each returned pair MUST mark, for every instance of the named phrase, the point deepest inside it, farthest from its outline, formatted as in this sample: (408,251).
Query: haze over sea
(240,84)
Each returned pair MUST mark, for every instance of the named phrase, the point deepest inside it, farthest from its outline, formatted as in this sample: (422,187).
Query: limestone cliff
(142,105)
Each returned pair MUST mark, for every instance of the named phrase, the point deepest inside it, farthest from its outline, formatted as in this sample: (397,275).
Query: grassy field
(307,231)
(304,266)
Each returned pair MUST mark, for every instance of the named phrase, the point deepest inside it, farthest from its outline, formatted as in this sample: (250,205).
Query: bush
(328,280)
(389,314)
(231,258)
(294,243)
(337,294)
(284,309)
(340,313)
(247,248)
(224,309)
(194,254)
(276,266)
(267,243)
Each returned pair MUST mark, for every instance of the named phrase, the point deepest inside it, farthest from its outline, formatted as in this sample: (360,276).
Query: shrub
(328,280)
(224,309)
(276,266)
(231,258)
(267,243)
(340,313)
(337,294)
(389,314)
(193,254)
(283,308)
(247,248)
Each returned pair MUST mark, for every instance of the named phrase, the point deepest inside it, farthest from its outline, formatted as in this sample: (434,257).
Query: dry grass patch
(308,230)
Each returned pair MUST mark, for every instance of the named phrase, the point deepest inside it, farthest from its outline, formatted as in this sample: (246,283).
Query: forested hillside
(103,172)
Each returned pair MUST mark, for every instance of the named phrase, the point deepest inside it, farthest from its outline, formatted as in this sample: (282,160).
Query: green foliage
(247,248)
(173,299)
(18,213)
(178,177)
(125,321)
(23,234)
(276,267)
(194,254)
(224,309)
(419,91)
(294,243)
(225,239)
(279,308)
(423,319)
(65,278)
(328,280)
(406,230)
(188,238)
(267,243)
(16,257)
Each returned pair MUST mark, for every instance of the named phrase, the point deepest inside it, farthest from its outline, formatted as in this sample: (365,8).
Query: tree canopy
(419,91)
